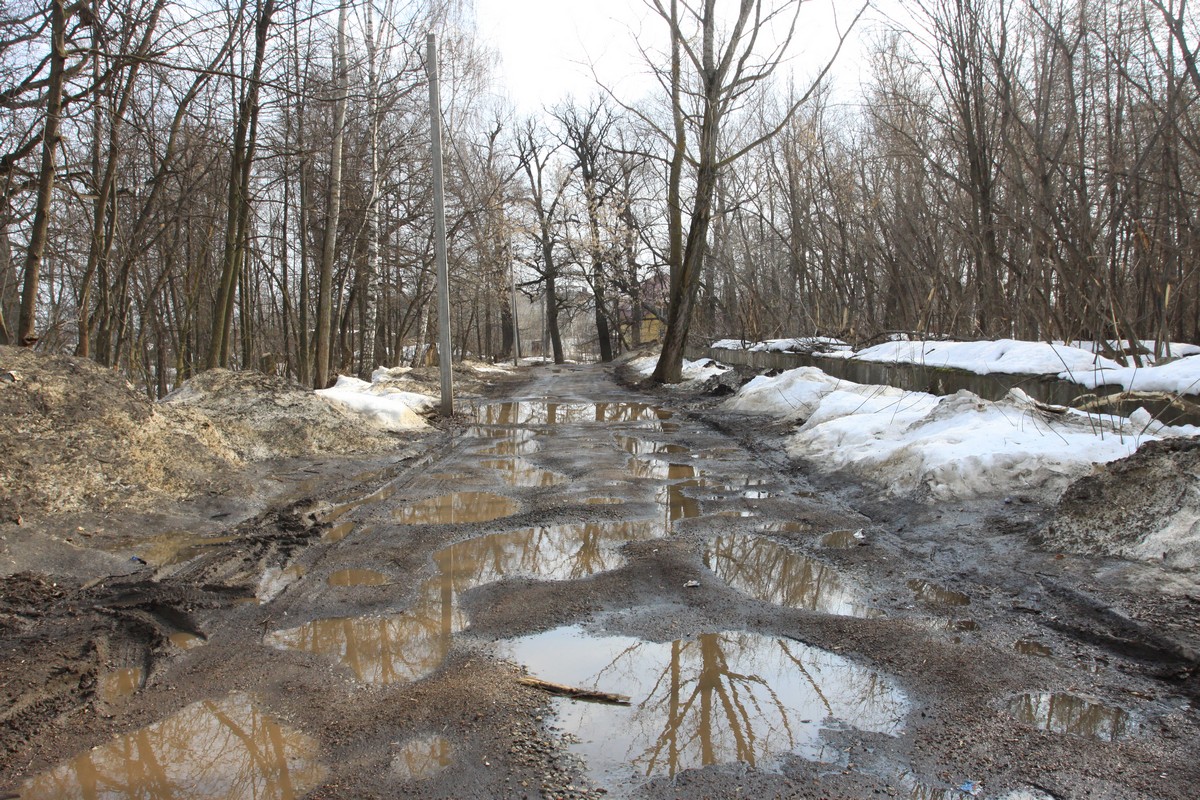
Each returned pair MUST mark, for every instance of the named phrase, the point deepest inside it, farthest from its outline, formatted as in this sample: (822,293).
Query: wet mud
(775,634)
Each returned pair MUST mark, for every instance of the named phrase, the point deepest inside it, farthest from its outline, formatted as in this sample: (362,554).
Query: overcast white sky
(546,46)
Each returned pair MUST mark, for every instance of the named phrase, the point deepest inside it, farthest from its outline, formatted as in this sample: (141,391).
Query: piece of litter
(970,787)
(858,534)
(692,585)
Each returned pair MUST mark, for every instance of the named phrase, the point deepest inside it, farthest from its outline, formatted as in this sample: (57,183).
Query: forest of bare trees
(245,183)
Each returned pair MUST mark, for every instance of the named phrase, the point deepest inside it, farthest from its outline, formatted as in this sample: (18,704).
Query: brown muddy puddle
(422,757)
(842,540)
(357,577)
(643,447)
(186,641)
(935,595)
(1060,712)
(774,573)
(544,412)
(407,646)
(519,472)
(220,749)
(168,549)
(1028,647)
(716,698)
(457,508)
(119,684)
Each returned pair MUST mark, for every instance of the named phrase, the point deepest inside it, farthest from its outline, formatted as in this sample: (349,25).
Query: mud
(779,635)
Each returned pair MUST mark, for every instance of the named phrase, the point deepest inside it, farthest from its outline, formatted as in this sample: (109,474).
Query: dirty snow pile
(1144,507)
(1076,363)
(390,408)
(262,417)
(943,448)
(694,372)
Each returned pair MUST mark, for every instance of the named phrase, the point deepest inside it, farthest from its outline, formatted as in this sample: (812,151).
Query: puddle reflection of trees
(718,698)
(528,412)
(422,757)
(774,573)
(408,646)
(220,749)
(1067,713)
(459,507)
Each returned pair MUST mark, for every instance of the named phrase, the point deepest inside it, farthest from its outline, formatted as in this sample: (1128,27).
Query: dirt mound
(77,436)
(470,378)
(260,417)
(1144,507)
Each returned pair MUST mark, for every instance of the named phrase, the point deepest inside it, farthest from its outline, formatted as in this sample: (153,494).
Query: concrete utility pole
(445,354)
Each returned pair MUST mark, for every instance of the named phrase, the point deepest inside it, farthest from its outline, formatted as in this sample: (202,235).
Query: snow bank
(390,408)
(792,395)
(801,344)
(1079,363)
(946,448)
(693,371)
(1006,356)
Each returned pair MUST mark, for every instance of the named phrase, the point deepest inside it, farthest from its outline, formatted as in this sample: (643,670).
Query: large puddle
(717,698)
(1059,712)
(774,573)
(221,749)
(410,645)
(542,412)
(459,508)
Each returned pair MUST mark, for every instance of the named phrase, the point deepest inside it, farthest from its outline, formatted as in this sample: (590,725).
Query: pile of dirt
(260,417)
(1144,507)
(470,378)
(77,436)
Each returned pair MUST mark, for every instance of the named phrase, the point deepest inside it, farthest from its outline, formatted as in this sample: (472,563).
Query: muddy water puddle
(1028,647)
(457,508)
(407,646)
(1060,712)
(357,577)
(519,472)
(643,447)
(422,757)
(119,684)
(935,595)
(168,549)
(544,412)
(224,749)
(716,698)
(774,573)
(843,540)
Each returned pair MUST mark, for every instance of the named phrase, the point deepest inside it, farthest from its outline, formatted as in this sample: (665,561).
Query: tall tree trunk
(27,323)
(237,222)
(321,371)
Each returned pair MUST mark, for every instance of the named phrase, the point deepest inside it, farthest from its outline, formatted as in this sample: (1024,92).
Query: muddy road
(775,636)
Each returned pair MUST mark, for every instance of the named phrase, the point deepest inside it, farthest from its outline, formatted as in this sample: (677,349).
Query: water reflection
(378,650)
(519,472)
(560,552)
(1067,713)
(1028,647)
(118,684)
(458,508)
(933,594)
(774,573)
(411,645)
(357,577)
(422,757)
(221,749)
(641,447)
(718,698)
(541,412)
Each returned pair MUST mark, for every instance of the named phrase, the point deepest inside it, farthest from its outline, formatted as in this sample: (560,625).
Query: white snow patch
(389,408)
(948,447)
(693,371)
(1006,356)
